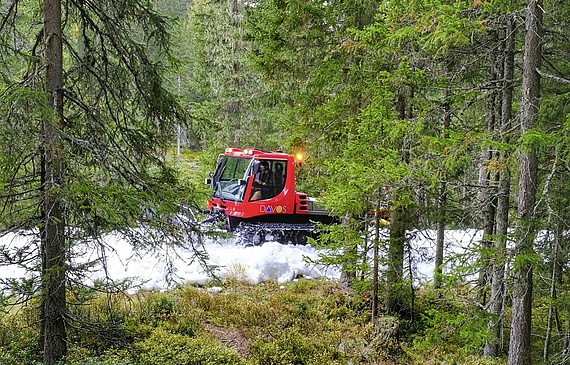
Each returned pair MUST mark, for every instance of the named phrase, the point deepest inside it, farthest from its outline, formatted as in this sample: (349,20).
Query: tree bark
(348,275)
(395,270)
(398,225)
(441,204)
(496,302)
(551,308)
(487,185)
(520,340)
(53,225)
(566,346)
(440,238)
(375,269)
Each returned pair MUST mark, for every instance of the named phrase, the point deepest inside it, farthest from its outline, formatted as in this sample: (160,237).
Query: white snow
(162,269)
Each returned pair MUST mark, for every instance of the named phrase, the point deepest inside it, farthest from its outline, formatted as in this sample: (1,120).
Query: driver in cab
(264,177)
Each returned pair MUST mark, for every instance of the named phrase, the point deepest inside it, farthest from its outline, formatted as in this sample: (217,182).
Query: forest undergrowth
(301,322)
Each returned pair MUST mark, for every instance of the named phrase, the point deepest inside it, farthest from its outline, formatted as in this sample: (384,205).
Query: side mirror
(242,182)
(208,181)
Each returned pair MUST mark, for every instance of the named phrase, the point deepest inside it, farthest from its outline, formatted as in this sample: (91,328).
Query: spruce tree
(91,158)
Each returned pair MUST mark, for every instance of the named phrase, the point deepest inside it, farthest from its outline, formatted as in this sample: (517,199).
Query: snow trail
(163,269)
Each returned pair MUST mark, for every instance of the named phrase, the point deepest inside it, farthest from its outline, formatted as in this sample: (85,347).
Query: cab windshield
(229,172)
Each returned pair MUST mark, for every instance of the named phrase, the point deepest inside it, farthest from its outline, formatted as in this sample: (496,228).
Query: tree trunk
(53,225)
(395,270)
(496,301)
(551,307)
(440,238)
(566,350)
(348,275)
(398,225)
(487,186)
(520,340)
(375,269)
(441,204)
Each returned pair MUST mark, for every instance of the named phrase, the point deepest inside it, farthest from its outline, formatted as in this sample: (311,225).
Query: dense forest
(112,112)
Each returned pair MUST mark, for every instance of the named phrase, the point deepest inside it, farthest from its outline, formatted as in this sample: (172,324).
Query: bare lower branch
(555,78)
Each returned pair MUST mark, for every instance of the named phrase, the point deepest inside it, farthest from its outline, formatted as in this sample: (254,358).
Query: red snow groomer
(254,195)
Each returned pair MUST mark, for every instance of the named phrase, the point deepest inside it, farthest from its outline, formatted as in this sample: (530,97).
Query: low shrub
(19,338)
(292,347)
(166,348)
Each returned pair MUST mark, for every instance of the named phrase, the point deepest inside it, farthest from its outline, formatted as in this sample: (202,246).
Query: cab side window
(279,173)
(269,179)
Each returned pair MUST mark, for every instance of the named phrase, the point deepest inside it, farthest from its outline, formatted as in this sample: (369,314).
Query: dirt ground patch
(233,338)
